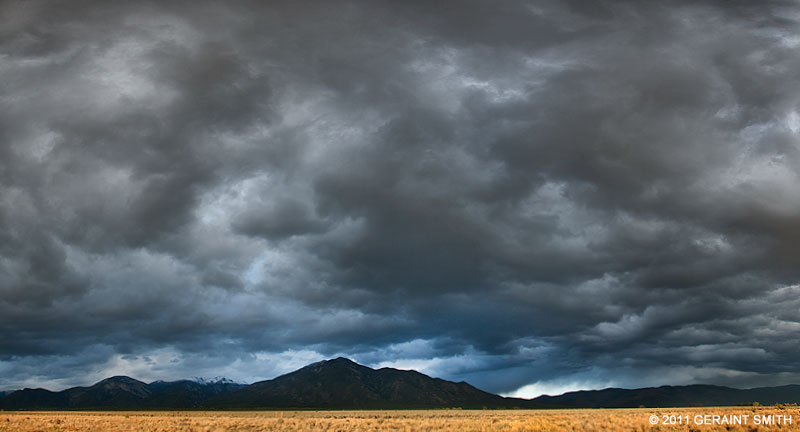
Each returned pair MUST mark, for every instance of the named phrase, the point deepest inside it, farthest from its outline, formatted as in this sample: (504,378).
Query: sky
(532,196)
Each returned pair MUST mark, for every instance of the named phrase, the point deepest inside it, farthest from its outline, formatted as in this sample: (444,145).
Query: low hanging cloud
(534,196)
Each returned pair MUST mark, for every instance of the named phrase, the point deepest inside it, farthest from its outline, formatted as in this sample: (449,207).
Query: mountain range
(673,396)
(343,384)
(122,393)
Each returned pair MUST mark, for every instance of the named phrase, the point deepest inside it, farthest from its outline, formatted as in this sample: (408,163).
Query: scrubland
(434,420)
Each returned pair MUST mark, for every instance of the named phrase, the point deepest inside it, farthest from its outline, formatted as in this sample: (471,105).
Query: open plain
(431,420)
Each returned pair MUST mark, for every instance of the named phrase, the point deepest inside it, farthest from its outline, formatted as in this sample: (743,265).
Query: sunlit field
(434,420)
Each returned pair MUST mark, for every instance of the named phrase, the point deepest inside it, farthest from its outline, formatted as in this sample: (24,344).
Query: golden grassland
(433,420)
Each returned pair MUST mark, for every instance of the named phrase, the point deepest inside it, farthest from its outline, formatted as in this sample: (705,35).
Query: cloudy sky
(532,196)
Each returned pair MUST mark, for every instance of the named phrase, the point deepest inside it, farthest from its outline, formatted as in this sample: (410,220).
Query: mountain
(188,393)
(117,392)
(671,396)
(342,383)
(330,384)
(215,380)
(34,399)
(120,393)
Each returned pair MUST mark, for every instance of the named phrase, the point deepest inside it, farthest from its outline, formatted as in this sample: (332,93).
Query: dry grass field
(437,420)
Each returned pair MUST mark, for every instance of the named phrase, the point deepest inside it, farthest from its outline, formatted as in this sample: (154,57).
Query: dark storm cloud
(543,194)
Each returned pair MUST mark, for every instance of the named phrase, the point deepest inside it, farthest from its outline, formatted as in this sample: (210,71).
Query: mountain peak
(342,383)
(215,380)
(119,378)
(336,362)
(123,384)
(341,360)
(121,381)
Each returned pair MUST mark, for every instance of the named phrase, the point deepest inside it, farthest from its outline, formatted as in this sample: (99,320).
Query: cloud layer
(527,195)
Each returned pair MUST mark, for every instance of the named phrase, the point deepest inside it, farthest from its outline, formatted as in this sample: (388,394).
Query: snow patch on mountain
(215,380)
